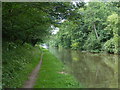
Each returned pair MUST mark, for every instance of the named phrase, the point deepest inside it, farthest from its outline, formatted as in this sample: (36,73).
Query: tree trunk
(96,34)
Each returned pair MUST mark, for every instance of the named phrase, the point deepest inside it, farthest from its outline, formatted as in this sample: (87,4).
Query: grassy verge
(52,74)
(18,62)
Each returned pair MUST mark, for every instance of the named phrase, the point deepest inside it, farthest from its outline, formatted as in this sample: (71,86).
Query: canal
(91,70)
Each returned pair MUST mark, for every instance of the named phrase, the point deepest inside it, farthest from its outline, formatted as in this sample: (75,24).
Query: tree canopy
(95,30)
(30,22)
(93,26)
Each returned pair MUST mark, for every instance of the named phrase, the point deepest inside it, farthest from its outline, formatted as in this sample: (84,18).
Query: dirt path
(33,76)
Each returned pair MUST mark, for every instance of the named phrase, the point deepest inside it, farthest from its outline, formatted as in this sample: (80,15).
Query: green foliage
(18,61)
(75,45)
(95,29)
(24,22)
(92,43)
(112,44)
(30,22)
(64,36)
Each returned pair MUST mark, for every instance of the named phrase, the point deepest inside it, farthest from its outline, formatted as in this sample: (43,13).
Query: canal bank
(92,70)
(53,74)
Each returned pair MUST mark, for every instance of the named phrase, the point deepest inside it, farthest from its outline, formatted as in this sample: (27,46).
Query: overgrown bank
(53,74)
(18,62)
(97,30)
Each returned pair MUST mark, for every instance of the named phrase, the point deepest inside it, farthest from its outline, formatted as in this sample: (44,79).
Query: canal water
(91,70)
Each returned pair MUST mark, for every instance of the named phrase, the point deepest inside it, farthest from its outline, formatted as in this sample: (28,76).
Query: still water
(91,70)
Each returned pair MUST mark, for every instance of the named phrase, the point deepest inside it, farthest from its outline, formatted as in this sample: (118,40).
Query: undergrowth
(17,63)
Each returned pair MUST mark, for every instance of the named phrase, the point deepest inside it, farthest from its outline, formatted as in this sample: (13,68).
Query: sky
(55,30)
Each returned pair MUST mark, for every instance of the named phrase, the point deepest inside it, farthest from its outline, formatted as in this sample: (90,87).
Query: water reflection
(92,70)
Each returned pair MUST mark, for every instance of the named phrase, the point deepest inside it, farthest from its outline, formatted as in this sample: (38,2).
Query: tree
(112,44)
(90,31)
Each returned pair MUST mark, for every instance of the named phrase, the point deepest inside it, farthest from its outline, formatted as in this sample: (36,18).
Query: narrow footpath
(33,76)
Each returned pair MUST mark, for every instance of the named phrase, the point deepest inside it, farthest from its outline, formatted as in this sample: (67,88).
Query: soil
(33,76)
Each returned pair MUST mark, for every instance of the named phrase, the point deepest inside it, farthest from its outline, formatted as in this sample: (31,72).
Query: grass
(17,63)
(53,74)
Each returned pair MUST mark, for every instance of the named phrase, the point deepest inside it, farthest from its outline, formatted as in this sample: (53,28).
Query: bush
(18,61)
(112,45)
(92,43)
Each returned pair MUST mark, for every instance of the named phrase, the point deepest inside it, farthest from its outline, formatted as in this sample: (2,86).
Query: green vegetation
(31,22)
(18,62)
(53,74)
(88,27)
(26,24)
(95,30)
